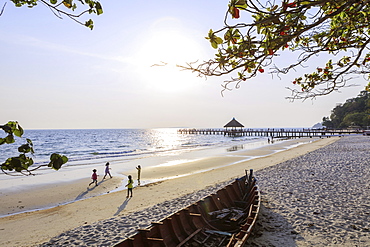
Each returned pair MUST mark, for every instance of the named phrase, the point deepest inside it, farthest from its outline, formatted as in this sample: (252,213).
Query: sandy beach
(293,214)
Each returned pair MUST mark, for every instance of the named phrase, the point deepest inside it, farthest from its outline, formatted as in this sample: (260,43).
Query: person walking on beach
(107,172)
(130,186)
(138,174)
(94,178)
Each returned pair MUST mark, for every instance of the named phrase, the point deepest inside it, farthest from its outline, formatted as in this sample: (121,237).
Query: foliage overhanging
(336,29)
(66,8)
(22,164)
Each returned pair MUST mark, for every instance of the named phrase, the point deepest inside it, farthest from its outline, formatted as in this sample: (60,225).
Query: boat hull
(225,218)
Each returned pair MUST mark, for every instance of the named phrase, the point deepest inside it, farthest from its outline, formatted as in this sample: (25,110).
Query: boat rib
(223,219)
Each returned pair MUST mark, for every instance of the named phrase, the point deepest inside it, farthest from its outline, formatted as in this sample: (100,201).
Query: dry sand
(106,219)
(318,199)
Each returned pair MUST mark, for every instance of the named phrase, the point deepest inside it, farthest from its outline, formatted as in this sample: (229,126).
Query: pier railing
(273,133)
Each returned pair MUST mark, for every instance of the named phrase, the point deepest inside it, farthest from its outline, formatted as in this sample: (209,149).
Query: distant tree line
(354,112)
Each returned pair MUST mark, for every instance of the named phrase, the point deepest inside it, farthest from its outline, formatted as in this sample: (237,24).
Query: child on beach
(129,185)
(107,172)
(94,178)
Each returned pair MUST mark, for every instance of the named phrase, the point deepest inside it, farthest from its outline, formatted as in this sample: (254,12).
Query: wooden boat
(225,218)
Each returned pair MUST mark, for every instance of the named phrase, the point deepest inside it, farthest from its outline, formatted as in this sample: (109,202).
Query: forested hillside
(353,113)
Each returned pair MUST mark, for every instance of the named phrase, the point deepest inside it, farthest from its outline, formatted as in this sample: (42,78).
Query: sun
(162,49)
(169,46)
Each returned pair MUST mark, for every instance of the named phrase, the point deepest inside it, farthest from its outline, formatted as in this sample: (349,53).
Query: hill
(354,112)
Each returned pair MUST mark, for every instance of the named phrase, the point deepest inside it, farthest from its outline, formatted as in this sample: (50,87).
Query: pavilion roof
(233,123)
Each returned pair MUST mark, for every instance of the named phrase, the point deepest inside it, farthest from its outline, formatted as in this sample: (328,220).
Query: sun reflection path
(166,138)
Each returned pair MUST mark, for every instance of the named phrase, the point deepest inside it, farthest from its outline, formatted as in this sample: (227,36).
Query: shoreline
(84,212)
(63,193)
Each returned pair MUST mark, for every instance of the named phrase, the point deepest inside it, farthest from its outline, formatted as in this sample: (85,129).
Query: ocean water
(97,146)
(124,149)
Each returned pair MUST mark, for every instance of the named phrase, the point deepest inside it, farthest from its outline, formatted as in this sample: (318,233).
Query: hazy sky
(58,74)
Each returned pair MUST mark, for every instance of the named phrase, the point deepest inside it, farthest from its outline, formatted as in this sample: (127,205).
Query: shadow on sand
(83,194)
(122,207)
(272,229)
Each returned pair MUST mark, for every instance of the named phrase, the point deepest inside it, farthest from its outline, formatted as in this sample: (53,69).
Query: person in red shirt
(94,178)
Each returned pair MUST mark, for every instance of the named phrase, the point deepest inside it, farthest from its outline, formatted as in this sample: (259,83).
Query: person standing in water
(130,186)
(107,172)
(94,178)
(138,173)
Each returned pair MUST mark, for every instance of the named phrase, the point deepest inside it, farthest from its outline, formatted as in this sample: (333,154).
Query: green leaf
(12,127)
(214,45)
(25,148)
(12,163)
(57,164)
(18,131)
(219,40)
(67,3)
(240,2)
(99,9)
(8,127)
(9,139)
(31,145)
(54,156)
(64,159)
(57,160)
(89,24)
(25,161)
(29,141)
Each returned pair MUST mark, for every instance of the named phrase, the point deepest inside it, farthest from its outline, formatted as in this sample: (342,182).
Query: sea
(124,149)
(89,146)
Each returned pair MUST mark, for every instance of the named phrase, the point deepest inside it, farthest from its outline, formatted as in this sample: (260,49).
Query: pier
(273,133)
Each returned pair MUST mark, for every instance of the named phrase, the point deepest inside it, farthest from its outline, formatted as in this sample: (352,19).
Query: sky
(57,74)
